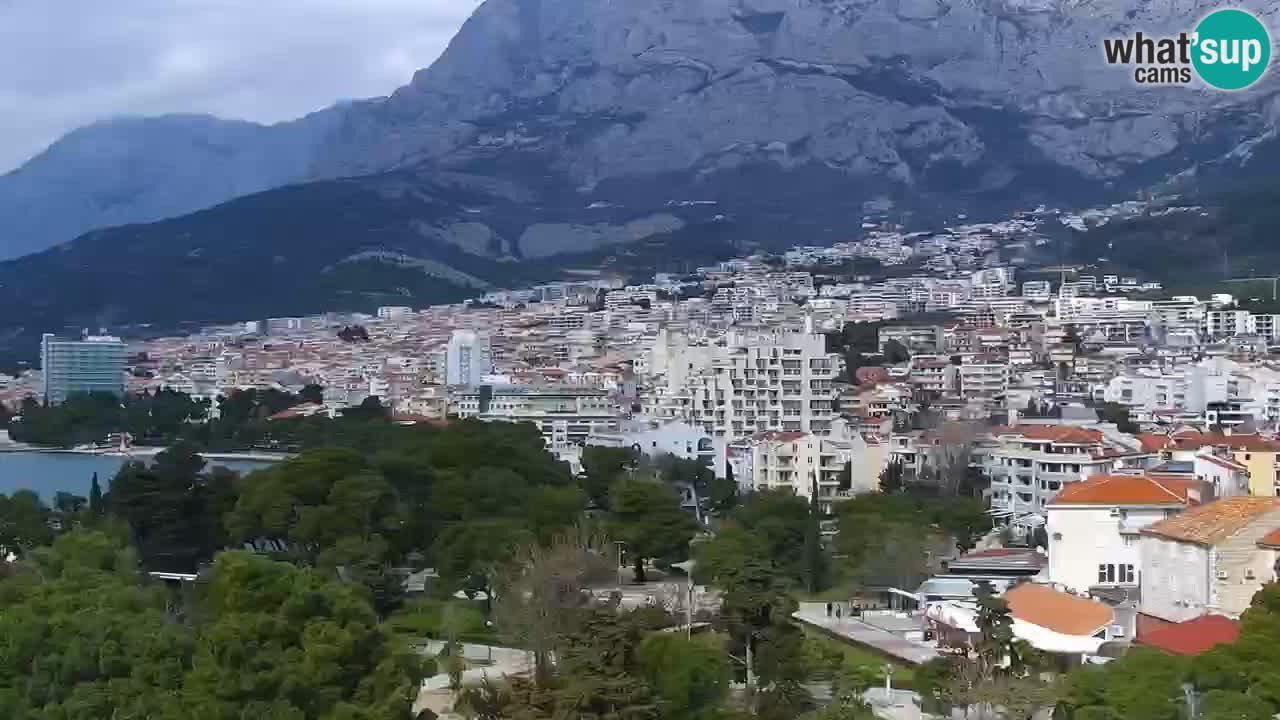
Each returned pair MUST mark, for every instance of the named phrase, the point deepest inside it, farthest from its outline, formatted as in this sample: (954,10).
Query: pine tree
(95,496)
(814,558)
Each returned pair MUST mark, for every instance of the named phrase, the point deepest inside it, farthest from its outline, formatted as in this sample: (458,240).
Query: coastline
(143,453)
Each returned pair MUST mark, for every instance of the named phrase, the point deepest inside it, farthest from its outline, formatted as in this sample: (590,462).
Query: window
(1106,574)
(1110,574)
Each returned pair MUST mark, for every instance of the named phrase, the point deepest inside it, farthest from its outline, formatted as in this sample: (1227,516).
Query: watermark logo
(1228,50)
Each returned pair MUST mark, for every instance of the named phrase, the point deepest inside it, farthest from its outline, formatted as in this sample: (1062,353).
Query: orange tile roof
(1194,636)
(1057,611)
(1210,524)
(1124,490)
(1272,539)
(1066,434)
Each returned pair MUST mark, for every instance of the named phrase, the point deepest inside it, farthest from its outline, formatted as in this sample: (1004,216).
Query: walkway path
(815,614)
(487,661)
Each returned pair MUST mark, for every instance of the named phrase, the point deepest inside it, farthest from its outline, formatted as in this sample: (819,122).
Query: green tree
(312,393)
(892,478)
(1230,705)
(646,515)
(469,555)
(690,675)
(173,507)
(601,468)
(1119,414)
(292,643)
(24,523)
(895,352)
(598,669)
(815,556)
(96,505)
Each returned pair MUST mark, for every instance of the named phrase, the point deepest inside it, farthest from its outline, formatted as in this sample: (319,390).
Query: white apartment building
(566,416)
(747,383)
(1209,559)
(394,312)
(469,358)
(1029,464)
(915,338)
(1037,290)
(1230,322)
(1093,527)
(799,463)
(652,438)
(983,382)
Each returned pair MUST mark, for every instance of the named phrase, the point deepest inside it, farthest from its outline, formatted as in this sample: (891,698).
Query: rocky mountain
(976,104)
(960,95)
(132,170)
(402,238)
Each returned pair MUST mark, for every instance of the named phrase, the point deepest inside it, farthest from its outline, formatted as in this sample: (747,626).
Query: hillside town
(1125,446)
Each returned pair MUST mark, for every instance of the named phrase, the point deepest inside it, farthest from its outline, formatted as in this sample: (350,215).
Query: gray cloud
(66,63)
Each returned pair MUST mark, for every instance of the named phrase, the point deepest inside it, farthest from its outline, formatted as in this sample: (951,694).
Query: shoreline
(146,452)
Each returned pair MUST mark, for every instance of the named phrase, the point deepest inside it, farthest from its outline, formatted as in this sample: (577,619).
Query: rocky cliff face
(975,103)
(899,91)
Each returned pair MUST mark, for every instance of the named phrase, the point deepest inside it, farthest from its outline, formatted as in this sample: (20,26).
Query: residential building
(683,440)
(94,363)
(754,382)
(1093,527)
(469,358)
(1208,559)
(1029,464)
(800,463)
(1258,454)
(565,415)
(984,382)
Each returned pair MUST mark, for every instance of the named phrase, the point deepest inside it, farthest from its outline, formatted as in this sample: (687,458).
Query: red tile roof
(1215,522)
(1190,439)
(1194,636)
(1271,539)
(1151,442)
(1125,490)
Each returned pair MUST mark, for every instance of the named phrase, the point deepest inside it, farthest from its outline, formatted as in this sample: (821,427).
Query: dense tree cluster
(87,638)
(1236,681)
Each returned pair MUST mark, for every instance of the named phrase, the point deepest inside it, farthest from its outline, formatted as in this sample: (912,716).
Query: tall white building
(747,383)
(468,358)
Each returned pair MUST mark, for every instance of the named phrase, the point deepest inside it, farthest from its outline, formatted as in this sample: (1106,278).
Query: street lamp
(618,566)
(687,567)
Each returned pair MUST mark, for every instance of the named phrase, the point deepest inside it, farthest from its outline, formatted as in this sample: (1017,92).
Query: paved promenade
(815,614)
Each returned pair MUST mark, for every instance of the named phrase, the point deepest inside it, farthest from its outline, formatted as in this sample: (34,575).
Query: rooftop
(1212,523)
(1057,611)
(1062,434)
(1194,636)
(1125,490)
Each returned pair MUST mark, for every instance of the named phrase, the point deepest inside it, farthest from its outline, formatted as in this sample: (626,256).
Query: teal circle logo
(1231,49)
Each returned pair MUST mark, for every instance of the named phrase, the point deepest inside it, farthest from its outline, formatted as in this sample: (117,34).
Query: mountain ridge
(893,93)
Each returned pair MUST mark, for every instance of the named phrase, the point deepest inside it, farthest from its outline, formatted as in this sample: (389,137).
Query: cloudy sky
(65,63)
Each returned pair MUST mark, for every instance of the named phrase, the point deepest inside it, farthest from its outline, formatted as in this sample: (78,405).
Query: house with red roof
(1093,527)
(1192,637)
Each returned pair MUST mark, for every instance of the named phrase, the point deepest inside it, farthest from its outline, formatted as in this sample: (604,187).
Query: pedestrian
(837,612)
(828,609)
